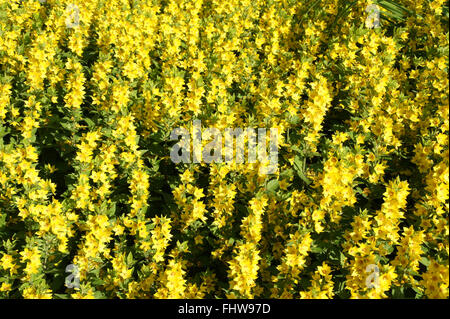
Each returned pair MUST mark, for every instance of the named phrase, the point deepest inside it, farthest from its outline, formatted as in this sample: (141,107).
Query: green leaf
(398,292)
(299,167)
(316,249)
(272,186)
(425,261)
(341,259)
(130,259)
(89,122)
(98,282)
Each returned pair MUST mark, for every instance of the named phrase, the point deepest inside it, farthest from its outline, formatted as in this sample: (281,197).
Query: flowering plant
(91,90)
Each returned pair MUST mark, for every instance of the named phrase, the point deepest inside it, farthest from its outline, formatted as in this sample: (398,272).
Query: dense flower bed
(91,89)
